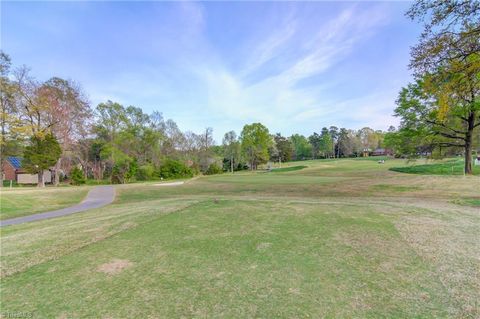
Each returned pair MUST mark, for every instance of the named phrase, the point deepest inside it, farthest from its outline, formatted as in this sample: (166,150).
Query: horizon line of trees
(51,124)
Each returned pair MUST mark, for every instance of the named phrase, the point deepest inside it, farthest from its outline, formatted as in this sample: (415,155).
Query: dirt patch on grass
(114,267)
(385,253)
(363,240)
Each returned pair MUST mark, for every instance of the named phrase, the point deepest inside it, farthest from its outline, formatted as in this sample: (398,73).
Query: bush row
(171,169)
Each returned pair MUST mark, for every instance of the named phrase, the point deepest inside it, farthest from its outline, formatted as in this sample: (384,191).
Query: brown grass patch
(452,246)
(114,267)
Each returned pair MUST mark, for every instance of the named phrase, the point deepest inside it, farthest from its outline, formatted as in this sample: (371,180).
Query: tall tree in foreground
(69,111)
(8,111)
(34,109)
(446,63)
(41,154)
(255,141)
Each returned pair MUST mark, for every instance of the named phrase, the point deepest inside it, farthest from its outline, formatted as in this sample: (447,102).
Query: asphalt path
(97,197)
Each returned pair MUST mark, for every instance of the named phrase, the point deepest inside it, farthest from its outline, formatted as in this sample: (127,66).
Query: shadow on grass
(288,169)
(452,167)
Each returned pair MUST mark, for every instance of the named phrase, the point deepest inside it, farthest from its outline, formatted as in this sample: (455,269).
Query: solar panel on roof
(15,161)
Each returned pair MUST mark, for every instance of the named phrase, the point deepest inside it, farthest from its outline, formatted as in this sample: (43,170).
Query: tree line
(52,125)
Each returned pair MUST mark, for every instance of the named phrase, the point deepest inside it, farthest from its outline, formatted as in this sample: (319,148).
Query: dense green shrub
(213,169)
(195,168)
(6,183)
(76,176)
(124,171)
(145,172)
(174,169)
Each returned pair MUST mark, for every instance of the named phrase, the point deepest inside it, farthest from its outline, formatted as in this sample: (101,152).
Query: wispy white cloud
(223,65)
(270,47)
(374,109)
(279,99)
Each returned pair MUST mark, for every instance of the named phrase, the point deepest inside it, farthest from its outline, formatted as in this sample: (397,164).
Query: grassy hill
(338,238)
(442,167)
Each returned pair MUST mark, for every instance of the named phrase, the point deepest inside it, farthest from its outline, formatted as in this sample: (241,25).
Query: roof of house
(380,149)
(15,161)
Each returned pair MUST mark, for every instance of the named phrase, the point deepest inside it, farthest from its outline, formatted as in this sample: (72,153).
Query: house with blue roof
(13,171)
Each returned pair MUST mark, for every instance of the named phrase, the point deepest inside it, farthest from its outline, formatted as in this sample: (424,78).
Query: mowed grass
(18,202)
(346,239)
(445,167)
(287,169)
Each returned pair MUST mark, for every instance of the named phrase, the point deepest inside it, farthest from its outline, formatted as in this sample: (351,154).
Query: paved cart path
(97,197)
(170,184)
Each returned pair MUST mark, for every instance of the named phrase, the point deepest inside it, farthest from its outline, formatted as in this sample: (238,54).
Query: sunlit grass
(339,238)
(448,167)
(26,201)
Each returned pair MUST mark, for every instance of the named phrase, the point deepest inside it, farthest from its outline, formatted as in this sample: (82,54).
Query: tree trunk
(1,172)
(469,143)
(468,159)
(41,182)
(231,163)
(2,151)
(56,178)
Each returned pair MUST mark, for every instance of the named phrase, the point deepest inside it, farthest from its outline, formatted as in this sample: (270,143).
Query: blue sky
(294,66)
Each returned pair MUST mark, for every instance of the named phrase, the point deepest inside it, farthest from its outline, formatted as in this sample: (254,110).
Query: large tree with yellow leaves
(445,99)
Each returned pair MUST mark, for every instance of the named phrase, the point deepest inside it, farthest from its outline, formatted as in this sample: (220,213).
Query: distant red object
(9,171)
(382,152)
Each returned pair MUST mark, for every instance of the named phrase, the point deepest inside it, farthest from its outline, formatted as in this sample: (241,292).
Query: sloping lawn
(288,169)
(338,239)
(240,259)
(26,201)
(449,167)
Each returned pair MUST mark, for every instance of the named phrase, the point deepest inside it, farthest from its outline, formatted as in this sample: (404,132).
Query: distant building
(13,171)
(366,152)
(10,166)
(382,152)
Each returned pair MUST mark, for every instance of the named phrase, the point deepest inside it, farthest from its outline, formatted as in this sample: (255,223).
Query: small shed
(13,171)
(10,165)
(382,152)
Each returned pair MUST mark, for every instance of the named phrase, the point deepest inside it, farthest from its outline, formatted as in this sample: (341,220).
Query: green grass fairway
(287,169)
(336,239)
(445,167)
(18,202)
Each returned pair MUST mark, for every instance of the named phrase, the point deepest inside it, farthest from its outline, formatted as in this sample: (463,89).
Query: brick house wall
(9,171)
